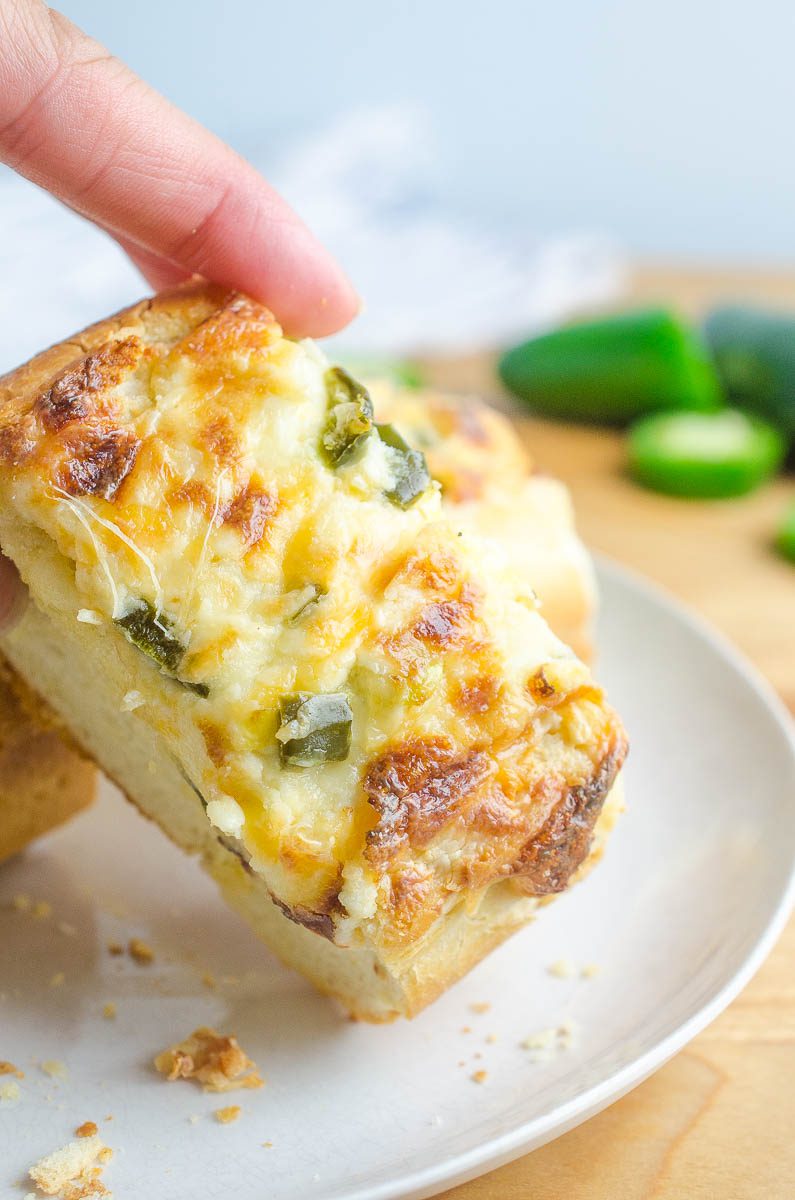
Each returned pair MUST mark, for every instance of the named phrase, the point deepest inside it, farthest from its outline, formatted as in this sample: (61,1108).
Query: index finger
(80,124)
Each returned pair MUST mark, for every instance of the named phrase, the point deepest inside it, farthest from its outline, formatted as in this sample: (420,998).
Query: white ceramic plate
(694,888)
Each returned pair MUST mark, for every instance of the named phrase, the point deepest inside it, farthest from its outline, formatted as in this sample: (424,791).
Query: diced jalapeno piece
(704,455)
(411,476)
(350,418)
(314,728)
(785,539)
(153,634)
(613,369)
(312,600)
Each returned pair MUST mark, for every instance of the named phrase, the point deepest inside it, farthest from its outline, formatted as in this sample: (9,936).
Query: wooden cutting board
(718,1122)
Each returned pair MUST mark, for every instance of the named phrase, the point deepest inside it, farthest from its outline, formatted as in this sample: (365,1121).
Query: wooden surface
(718,1122)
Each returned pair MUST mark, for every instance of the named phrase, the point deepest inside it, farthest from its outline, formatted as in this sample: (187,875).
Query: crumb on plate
(229,1114)
(115,948)
(57,979)
(482,1006)
(42,909)
(8,1068)
(141,951)
(109,1010)
(55,1068)
(9,1091)
(87,1129)
(562,969)
(72,1171)
(480,1076)
(214,1060)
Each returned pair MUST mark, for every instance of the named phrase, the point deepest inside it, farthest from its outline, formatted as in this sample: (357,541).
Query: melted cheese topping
(179,464)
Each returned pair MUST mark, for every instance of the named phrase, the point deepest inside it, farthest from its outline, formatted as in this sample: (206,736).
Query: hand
(77,122)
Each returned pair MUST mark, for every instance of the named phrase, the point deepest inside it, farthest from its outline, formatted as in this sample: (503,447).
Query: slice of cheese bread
(43,778)
(249,608)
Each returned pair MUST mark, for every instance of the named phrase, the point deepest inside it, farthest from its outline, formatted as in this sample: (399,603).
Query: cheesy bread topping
(363,695)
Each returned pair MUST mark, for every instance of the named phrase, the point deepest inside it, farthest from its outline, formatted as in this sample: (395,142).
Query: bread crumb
(208,980)
(9,1091)
(194,1120)
(109,1011)
(55,1068)
(214,1060)
(42,909)
(71,1172)
(229,1114)
(590,970)
(57,979)
(20,902)
(466,1029)
(566,1033)
(132,700)
(482,1006)
(480,1076)
(89,616)
(491,1038)
(115,948)
(105,1154)
(562,969)
(268,1145)
(8,1068)
(87,1129)
(539,1041)
(66,929)
(141,951)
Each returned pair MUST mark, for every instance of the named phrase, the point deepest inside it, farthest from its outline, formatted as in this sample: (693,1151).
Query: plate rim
(534,1133)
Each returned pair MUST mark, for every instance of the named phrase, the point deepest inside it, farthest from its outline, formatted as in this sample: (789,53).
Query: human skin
(77,122)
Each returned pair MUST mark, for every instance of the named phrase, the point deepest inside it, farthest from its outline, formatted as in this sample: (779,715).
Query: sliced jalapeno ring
(314,728)
(411,476)
(350,418)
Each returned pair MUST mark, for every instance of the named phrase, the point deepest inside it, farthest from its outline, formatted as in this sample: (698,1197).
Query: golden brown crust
(548,862)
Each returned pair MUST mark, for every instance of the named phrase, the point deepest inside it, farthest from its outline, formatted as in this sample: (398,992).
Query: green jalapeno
(314,728)
(153,634)
(613,369)
(410,471)
(310,603)
(704,455)
(754,352)
(350,418)
(785,539)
